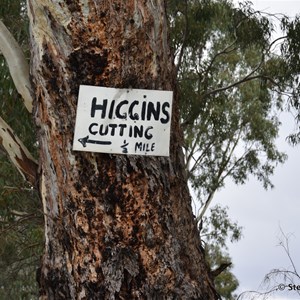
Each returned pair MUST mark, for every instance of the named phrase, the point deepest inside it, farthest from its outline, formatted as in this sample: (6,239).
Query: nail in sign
(123,121)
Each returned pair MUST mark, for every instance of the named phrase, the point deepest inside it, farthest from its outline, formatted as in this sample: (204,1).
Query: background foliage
(233,84)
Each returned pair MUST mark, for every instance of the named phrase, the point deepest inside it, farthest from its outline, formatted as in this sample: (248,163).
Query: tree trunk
(116,226)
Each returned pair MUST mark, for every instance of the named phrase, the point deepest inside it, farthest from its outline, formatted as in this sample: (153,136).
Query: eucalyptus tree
(116,226)
(233,83)
(290,49)
(229,83)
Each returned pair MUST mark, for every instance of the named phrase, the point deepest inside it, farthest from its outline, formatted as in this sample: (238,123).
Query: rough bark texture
(117,227)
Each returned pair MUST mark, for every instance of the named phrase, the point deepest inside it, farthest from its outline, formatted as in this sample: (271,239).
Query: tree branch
(220,269)
(248,77)
(285,245)
(223,165)
(199,159)
(226,50)
(18,153)
(17,64)
(185,35)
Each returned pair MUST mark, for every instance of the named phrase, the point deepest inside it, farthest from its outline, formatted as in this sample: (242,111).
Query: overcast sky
(262,213)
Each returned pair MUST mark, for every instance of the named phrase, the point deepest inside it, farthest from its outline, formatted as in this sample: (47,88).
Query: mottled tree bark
(117,226)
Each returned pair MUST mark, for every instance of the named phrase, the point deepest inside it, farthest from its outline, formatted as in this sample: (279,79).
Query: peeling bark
(117,227)
(18,153)
(17,64)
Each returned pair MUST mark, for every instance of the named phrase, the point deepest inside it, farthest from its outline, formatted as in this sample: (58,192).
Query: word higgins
(123,121)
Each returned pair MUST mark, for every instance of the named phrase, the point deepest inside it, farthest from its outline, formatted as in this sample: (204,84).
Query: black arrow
(86,140)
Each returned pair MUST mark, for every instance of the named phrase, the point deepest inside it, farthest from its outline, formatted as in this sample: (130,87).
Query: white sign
(123,121)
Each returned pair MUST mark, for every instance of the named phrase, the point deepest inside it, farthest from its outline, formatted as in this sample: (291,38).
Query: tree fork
(116,227)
